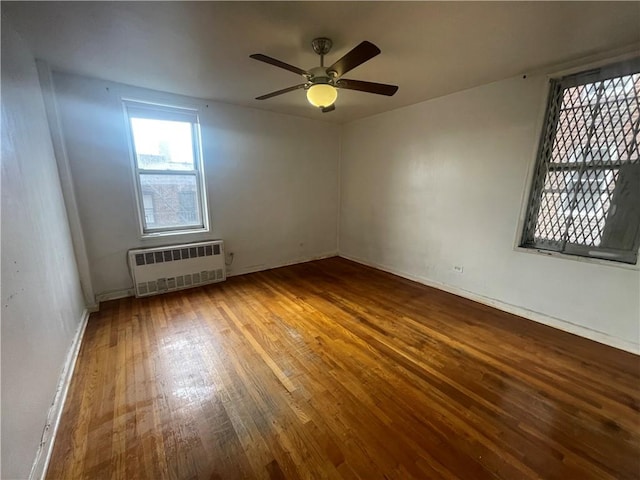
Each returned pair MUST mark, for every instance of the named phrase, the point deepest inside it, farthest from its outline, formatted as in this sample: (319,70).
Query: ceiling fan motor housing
(320,75)
(322,45)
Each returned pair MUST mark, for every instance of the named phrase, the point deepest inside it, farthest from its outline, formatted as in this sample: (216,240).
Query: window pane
(573,126)
(596,122)
(187,206)
(592,199)
(149,213)
(615,127)
(554,206)
(574,206)
(174,200)
(163,144)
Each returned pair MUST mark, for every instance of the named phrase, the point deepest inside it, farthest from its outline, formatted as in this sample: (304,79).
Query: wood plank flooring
(334,370)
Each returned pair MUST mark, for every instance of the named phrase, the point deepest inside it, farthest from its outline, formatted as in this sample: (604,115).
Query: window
(585,197)
(168,168)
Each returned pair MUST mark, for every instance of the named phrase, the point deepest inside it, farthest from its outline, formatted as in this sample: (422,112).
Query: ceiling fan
(321,83)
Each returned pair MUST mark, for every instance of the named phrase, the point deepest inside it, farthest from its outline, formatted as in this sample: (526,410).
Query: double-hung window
(585,196)
(167,163)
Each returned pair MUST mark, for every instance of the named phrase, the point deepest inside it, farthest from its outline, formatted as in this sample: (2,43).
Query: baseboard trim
(128,292)
(263,267)
(114,295)
(533,315)
(45,449)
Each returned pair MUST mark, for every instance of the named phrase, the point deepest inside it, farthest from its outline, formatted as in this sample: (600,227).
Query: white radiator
(166,269)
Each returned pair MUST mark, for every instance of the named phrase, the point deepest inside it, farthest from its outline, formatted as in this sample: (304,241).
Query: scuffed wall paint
(42,302)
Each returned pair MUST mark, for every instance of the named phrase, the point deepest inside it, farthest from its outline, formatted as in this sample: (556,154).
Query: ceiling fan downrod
(321,46)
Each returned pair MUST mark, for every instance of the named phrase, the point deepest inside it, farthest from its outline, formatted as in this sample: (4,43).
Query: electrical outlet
(458,268)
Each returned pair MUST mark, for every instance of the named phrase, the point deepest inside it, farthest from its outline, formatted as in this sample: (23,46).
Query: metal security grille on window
(586,194)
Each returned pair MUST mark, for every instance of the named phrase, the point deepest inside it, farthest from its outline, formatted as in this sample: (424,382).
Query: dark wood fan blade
(370,87)
(330,108)
(280,92)
(360,54)
(277,63)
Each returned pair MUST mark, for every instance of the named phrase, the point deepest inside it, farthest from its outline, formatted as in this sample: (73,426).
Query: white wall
(42,303)
(272,180)
(441,183)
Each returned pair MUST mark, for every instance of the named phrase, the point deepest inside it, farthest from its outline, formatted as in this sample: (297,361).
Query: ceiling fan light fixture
(321,83)
(322,95)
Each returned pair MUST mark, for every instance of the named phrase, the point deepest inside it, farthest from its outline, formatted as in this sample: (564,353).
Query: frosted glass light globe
(322,95)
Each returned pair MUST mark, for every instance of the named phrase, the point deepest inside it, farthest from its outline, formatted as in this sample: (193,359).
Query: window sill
(174,233)
(577,258)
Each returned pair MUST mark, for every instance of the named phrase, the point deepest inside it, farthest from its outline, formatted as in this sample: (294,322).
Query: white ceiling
(429,49)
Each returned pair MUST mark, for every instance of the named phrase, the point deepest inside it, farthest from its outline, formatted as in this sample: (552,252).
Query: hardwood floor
(334,370)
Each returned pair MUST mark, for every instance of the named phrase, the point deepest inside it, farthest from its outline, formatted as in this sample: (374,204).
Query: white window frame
(138,109)
(144,206)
